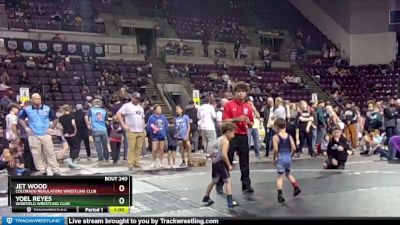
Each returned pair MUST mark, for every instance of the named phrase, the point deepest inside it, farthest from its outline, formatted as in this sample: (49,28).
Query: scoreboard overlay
(86,194)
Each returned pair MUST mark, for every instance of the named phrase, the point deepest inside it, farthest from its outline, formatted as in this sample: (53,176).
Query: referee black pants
(240,144)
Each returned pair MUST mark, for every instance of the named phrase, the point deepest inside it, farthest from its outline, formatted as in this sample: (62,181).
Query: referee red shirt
(235,109)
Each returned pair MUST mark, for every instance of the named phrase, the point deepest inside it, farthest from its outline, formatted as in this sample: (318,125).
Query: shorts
(172,148)
(158,138)
(220,172)
(284,163)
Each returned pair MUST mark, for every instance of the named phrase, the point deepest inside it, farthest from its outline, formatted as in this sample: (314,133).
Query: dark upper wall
(359,16)
(338,10)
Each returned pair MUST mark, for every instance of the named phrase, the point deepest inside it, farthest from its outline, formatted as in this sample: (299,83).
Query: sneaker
(160,165)
(208,200)
(296,191)
(130,168)
(280,199)
(248,190)
(174,166)
(153,165)
(56,174)
(235,161)
(232,204)
(89,158)
(297,155)
(183,165)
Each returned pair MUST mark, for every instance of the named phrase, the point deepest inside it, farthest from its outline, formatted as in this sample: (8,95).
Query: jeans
(195,140)
(269,133)
(101,143)
(252,134)
(125,146)
(320,134)
(314,139)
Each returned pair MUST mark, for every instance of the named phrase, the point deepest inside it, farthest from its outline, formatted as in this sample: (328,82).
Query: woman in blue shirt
(158,125)
(182,127)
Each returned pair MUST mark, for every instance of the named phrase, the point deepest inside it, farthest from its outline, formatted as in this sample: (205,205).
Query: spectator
(30,63)
(191,111)
(99,20)
(57,37)
(97,117)
(55,86)
(243,52)
(85,89)
(40,141)
(44,64)
(12,134)
(23,79)
(134,125)
(67,120)
(5,78)
(207,116)
(56,17)
(78,20)
(82,125)
(236,48)
(19,57)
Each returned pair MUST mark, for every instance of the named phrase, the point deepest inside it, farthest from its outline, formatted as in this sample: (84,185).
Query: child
(221,165)
(116,133)
(338,150)
(182,125)
(372,143)
(158,125)
(324,144)
(172,144)
(284,147)
(14,162)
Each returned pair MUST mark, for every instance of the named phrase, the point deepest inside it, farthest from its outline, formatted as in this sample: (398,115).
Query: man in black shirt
(338,150)
(82,133)
(349,118)
(67,121)
(304,123)
(191,111)
(390,115)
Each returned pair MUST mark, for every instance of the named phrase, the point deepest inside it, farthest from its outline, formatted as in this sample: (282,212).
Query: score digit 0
(121,188)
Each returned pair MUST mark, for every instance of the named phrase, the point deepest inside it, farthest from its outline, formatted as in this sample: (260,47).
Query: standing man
(349,118)
(236,48)
(239,112)
(390,115)
(267,114)
(207,115)
(131,116)
(253,130)
(191,111)
(40,141)
(321,121)
(305,119)
(82,124)
(98,116)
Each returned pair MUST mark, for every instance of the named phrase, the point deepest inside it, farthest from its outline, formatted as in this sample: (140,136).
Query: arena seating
(217,18)
(362,84)
(290,92)
(71,88)
(40,14)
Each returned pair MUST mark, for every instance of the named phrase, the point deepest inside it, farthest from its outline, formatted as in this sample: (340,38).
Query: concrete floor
(366,188)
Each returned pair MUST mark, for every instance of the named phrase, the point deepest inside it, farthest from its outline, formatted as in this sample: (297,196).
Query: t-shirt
(80,122)
(207,114)
(98,118)
(134,116)
(181,126)
(303,125)
(116,107)
(160,123)
(66,122)
(280,112)
(11,120)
